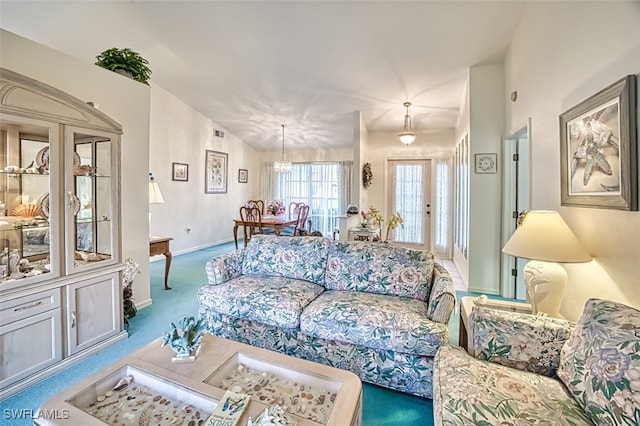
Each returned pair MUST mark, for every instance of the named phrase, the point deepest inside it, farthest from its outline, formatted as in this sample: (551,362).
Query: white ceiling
(251,66)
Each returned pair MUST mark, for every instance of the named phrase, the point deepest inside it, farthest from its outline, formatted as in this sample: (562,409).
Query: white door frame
(428,196)
(512,144)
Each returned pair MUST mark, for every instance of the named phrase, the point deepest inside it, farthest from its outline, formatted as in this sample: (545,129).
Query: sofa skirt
(407,373)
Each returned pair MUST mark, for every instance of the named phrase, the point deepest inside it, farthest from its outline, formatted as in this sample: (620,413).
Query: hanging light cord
(283,126)
(407,118)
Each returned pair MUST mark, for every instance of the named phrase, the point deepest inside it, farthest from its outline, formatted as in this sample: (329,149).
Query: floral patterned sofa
(532,370)
(376,309)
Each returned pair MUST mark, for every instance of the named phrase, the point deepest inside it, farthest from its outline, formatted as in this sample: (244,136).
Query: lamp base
(546,283)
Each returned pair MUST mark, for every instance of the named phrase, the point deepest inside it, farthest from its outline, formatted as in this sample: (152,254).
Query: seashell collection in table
(302,400)
(132,404)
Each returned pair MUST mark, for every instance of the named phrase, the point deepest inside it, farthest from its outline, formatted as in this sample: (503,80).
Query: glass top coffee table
(161,392)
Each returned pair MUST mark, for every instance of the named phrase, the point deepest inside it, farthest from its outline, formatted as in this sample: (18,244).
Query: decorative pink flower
(275,207)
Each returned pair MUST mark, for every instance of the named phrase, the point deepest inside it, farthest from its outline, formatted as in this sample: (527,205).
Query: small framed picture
(486,163)
(243,175)
(180,172)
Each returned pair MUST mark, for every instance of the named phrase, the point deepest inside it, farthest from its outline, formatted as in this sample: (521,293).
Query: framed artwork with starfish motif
(598,149)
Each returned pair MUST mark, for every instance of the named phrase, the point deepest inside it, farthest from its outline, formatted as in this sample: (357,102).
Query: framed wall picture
(486,163)
(243,175)
(180,172)
(598,149)
(215,172)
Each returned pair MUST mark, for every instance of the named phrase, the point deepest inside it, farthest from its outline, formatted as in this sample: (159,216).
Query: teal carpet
(381,407)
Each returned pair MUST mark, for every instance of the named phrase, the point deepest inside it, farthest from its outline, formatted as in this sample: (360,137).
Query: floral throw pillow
(600,363)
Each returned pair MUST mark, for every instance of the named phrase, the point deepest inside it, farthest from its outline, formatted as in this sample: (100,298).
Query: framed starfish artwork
(599,149)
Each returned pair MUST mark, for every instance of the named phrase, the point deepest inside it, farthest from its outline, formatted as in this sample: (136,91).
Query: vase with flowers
(375,217)
(275,207)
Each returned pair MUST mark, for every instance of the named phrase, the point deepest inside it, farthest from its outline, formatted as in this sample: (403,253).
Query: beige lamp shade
(544,235)
(155,196)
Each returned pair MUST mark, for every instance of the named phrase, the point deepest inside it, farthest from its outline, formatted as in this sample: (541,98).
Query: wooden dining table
(268,221)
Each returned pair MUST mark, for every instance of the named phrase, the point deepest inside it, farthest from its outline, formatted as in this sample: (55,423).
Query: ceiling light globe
(407,138)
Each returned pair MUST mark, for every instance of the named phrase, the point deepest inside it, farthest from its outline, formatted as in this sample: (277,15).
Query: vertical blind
(441,208)
(325,187)
(409,190)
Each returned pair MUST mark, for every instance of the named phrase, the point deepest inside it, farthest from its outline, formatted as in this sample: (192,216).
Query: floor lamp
(155,197)
(544,238)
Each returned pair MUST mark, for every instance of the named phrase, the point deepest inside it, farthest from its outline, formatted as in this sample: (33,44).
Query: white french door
(410,195)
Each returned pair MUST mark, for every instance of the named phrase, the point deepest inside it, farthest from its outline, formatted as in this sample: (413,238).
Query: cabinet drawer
(27,306)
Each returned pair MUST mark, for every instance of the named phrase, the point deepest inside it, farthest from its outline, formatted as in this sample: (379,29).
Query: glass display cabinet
(90,199)
(25,234)
(60,255)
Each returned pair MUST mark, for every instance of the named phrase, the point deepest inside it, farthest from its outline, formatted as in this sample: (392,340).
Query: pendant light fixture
(282,166)
(407,136)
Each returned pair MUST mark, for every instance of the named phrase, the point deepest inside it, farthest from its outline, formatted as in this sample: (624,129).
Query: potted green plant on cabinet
(125,62)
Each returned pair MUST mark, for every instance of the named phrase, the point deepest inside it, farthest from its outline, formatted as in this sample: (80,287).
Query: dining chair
(301,213)
(257,203)
(251,222)
(301,226)
(293,209)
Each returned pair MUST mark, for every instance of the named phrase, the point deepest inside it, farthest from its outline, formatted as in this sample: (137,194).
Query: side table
(466,305)
(358,233)
(160,245)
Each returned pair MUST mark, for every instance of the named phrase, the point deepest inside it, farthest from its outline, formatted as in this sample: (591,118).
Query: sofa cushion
(276,301)
(379,268)
(600,363)
(375,321)
(302,258)
(467,390)
(527,342)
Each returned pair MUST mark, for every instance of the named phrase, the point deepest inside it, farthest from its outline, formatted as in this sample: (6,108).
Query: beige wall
(482,121)
(181,134)
(560,55)
(124,100)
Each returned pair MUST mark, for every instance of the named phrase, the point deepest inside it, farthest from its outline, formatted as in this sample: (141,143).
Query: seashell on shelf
(84,170)
(27,210)
(123,383)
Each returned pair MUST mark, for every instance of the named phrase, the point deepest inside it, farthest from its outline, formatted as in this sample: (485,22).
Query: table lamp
(155,196)
(544,238)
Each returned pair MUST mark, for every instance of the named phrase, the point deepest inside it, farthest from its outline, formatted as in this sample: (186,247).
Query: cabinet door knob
(73,319)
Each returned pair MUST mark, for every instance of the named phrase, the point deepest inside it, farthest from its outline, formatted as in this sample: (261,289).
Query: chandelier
(282,166)
(407,136)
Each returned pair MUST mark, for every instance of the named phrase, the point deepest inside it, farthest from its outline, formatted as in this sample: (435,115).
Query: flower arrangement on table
(375,217)
(276,207)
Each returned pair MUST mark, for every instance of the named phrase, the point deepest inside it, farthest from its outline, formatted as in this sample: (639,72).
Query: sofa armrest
(442,298)
(222,268)
(523,341)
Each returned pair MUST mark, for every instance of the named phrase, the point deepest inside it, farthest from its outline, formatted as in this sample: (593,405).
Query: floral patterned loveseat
(376,309)
(531,370)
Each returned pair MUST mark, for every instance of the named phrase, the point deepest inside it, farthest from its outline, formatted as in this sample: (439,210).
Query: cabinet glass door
(90,191)
(26,170)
